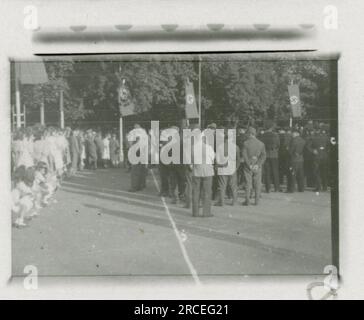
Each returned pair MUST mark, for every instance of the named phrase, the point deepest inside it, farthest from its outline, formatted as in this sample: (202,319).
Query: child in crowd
(23,195)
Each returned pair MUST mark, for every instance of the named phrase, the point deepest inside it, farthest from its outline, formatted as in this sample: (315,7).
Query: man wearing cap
(296,148)
(271,142)
(254,156)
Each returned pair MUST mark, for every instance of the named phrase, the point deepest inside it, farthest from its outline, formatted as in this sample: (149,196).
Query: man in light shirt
(203,157)
(227,159)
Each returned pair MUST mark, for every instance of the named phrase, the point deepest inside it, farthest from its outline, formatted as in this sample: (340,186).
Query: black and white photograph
(181,155)
(103,181)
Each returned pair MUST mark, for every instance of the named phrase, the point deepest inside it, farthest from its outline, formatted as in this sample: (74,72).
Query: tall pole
(61,110)
(42,113)
(17,101)
(199,91)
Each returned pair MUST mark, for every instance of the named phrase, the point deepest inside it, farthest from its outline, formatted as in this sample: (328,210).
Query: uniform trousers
(320,169)
(253,182)
(297,176)
(201,188)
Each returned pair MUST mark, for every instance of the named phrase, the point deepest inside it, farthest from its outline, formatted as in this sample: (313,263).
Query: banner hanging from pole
(191,107)
(294,99)
(126,105)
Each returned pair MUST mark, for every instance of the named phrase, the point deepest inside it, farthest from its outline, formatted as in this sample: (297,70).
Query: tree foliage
(232,90)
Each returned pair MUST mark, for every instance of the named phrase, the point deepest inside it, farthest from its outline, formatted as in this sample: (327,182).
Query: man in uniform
(91,150)
(318,146)
(284,157)
(99,148)
(254,156)
(138,171)
(296,148)
(271,142)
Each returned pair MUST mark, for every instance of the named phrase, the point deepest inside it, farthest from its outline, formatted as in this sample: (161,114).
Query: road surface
(96,227)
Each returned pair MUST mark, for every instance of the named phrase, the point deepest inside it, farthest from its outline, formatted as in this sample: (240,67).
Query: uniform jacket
(253,152)
(320,145)
(296,148)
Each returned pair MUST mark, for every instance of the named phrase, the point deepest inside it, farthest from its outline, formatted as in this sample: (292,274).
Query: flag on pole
(191,107)
(294,99)
(126,105)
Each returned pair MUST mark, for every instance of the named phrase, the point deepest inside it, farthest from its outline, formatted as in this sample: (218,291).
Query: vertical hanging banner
(126,105)
(191,107)
(294,99)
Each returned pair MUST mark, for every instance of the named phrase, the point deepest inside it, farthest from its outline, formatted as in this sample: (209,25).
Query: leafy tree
(233,89)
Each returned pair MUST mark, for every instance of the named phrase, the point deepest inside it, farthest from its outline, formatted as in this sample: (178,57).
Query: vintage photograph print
(211,164)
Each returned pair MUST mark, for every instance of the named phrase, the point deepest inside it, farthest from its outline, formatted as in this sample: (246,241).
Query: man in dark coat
(91,151)
(296,149)
(99,148)
(271,142)
(319,147)
(138,170)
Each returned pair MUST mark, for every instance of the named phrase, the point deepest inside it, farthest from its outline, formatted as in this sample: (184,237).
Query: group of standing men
(266,158)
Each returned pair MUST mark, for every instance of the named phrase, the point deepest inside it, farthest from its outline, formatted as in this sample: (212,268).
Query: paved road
(96,227)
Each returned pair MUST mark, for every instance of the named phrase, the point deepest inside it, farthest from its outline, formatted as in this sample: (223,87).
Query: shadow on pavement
(207,233)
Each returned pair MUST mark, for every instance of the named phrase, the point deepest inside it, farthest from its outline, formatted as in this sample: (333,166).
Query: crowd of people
(41,157)
(281,159)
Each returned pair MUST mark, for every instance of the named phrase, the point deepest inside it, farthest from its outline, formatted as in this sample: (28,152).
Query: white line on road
(178,236)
